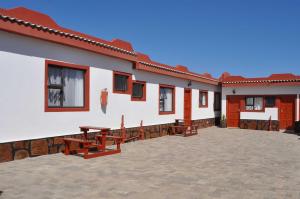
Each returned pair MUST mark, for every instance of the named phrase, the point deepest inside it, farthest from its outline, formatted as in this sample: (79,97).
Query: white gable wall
(22,73)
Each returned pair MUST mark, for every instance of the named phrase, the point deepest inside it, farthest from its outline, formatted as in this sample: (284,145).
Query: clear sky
(243,37)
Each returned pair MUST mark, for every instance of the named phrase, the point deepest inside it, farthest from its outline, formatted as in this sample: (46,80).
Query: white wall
(263,90)
(22,115)
(266,115)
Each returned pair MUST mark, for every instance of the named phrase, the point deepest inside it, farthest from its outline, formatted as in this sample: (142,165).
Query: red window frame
(173,99)
(206,98)
(86,106)
(129,83)
(253,96)
(220,101)
(143,98)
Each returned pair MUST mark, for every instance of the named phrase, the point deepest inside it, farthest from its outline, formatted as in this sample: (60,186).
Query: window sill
(203,106)
(166,113)
(253,111)
(81,109)
(138,99)
(122,92)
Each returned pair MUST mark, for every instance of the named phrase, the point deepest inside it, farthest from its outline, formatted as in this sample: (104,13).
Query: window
(217,101)
(270,101)
(67,87)
(203,99)
(121,82)
(254,103)
(138,91)
(166,99)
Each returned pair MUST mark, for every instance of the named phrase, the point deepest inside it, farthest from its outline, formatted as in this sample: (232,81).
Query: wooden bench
(184,128)
(99,143)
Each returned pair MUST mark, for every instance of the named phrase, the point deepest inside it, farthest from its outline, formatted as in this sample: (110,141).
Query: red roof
(34,24)
(146,64)
(274,79)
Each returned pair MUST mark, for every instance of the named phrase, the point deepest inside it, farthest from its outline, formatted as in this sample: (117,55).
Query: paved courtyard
(218,163)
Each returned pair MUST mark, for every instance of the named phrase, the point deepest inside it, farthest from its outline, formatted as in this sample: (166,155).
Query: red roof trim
(174,73)
(274,79)
(63,36)
(37,25)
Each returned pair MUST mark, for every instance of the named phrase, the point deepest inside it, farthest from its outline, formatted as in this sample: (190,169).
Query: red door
(287,112)
(187,106)
(233,111)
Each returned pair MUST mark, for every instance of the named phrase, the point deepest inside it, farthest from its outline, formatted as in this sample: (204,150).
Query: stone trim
(204,123)
(259,125)
(31,148)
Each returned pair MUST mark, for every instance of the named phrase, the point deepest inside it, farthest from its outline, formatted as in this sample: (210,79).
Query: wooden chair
(184,128)
(139,136)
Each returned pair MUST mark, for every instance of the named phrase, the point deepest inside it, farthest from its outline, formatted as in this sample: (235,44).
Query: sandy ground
(217,163)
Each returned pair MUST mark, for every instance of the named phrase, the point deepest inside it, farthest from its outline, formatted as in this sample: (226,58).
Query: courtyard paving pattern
(217,163)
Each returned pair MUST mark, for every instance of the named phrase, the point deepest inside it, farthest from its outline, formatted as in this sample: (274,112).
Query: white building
(52,81)
(269,103)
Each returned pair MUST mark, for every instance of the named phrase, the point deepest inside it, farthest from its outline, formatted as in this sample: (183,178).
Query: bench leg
(67,148)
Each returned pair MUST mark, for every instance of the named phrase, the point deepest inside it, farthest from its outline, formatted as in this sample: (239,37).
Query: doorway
(187,106)
(233,111)
(287,112)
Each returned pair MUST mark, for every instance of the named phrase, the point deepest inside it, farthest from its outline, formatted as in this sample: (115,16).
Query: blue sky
(249,37)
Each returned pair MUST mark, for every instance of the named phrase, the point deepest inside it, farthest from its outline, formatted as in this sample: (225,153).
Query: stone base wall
(259,125)
(204,123)
(32,148)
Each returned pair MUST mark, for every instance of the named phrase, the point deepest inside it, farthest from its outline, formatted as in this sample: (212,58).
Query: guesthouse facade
(54,80)
(267,103)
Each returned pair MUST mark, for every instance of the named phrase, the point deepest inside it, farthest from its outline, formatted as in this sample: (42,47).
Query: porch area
(216,163)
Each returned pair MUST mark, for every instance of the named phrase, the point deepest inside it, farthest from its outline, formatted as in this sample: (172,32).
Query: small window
(121,82)
(166,100)
(254,103)
(203,99)
(270,101)
(217,101)
(138,91)
(67,87)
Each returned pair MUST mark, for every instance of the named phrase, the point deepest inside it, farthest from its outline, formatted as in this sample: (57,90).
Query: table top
(93,128)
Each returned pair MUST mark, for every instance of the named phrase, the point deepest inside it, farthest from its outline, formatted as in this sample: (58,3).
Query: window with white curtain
(65,87)
(203,99)
(254,103)
(166,95)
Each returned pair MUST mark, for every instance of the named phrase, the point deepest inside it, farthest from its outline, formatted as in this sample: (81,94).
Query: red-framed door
(233,111)
(287,111)
(187,110)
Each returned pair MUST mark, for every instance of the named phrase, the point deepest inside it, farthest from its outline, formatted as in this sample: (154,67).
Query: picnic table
(93,148)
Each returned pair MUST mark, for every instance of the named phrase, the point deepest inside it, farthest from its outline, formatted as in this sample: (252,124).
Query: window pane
(54,75)
(54,97)
(270,101)
(137,91)
(258,103)
(249,101)
(166,99)
(121,82)
(73,88)
(203,101)
(249,108)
